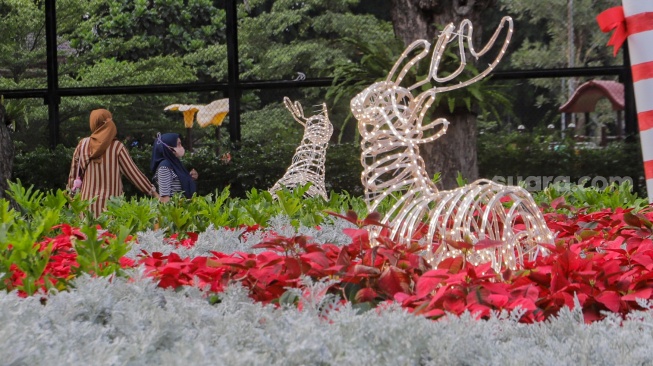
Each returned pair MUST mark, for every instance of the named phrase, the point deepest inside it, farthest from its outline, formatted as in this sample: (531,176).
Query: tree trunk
(6,153)
(455,151)
(421,19)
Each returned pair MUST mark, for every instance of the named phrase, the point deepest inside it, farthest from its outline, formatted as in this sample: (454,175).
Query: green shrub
(259,164)
(44,168)
(525,155)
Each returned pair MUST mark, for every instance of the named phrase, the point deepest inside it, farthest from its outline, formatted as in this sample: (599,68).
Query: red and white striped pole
(634,21)
(639,23)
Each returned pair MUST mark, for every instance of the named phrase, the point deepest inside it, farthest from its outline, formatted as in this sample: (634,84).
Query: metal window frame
(234,87)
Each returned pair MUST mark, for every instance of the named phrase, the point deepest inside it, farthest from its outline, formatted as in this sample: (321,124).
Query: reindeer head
(388,110)
(317,128)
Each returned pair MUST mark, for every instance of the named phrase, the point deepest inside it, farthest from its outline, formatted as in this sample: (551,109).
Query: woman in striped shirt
(169,173)
(101,160)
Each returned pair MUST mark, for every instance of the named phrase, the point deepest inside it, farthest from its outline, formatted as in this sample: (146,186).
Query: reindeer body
(307,164)
(449,222)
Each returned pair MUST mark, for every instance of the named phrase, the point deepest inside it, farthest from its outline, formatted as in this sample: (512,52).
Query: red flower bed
(61,266)
(603,258)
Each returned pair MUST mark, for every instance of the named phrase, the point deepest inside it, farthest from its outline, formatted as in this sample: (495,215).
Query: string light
(390,121)
(308,162)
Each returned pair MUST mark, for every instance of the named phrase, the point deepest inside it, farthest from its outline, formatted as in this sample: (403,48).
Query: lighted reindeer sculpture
(483,221)
(308,162)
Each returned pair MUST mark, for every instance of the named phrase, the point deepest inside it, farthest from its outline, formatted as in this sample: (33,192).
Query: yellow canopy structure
(210,114)
(213,113)
(189,111)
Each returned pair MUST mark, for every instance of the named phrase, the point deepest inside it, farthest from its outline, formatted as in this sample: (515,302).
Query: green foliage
(28,199)
(254,165)
(21,231)
(43,168)
(258,205)
(290,204)
(106,43)
(571,168)
(24,234)
(25,47)
(18,248)
(214,209)
(137,214)
(135,30)
(33,202)
(154,70)
(261,165)
(282,40)
(174,41)
(286,37)
(460,180)
(373,62)
(99,253)
(592,198)
(546,33)
(378,58)
(484,97)
(15,111)
(272,122)
(524,155)
(176,216)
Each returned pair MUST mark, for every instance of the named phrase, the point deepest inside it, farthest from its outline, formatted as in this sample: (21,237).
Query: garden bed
(278,283)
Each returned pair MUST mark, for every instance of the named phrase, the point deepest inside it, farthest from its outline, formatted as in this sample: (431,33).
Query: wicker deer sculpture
(483,221)
(308,162)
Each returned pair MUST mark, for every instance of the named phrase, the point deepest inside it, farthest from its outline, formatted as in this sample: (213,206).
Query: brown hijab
(103,131)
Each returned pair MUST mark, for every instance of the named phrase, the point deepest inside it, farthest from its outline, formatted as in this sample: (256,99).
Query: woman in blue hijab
(170,176)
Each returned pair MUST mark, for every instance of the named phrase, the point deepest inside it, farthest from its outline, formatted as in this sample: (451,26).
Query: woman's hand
(193,174)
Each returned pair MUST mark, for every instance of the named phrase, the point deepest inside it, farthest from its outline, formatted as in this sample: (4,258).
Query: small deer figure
(308,162)
(483,221)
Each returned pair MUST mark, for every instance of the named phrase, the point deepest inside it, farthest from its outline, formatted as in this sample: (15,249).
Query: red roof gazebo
(588,94)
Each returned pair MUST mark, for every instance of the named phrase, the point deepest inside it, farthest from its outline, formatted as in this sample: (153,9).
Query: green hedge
(44,168)
(252,166)
(261,165)
(534,156)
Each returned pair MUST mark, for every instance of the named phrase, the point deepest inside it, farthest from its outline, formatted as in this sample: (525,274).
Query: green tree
(282,38)
(22,46)
(569,37)
(22,60)
(135,30)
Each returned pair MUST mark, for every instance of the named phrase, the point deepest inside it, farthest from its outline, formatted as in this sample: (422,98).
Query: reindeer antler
(296,110)
(466,25)
(448,35)
(423,101)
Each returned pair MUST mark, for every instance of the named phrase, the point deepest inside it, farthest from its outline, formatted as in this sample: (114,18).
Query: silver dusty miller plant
(115,321)
(483,215)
